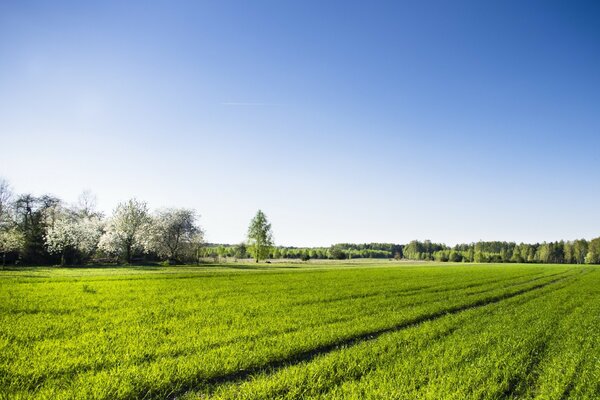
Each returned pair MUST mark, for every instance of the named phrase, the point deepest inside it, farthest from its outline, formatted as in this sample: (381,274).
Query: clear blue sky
(344,121)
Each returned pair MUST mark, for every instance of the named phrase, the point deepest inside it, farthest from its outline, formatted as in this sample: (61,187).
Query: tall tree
(33,217)
(580,250)
(260,237)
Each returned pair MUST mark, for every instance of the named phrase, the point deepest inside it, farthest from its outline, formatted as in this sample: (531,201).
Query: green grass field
(386,330)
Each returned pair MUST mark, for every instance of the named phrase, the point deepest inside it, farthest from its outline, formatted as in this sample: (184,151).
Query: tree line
(38,230)
(561,252)
(44,230)
(342,251)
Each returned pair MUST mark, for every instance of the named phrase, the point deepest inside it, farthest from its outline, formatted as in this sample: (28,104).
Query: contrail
(239,103)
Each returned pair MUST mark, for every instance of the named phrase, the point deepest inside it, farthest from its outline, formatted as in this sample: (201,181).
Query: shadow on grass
(143,267)
(69,267)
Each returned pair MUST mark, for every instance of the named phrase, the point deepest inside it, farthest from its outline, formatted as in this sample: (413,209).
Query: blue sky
(343,121)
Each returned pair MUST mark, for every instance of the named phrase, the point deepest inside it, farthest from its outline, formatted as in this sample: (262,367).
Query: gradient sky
(453,121)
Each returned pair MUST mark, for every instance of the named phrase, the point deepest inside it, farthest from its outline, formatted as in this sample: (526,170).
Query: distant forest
(561,252)
(44,230)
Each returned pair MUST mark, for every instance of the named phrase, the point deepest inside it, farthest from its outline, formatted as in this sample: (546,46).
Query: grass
(353,330)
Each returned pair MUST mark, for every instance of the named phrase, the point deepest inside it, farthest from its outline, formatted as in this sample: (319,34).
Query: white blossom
(171,231)
(10,240)
(70,232)
(127,230)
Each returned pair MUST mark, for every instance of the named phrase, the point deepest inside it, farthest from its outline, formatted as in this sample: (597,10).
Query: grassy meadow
(355,330)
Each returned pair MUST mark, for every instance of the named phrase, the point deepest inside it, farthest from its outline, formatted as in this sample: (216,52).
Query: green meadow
(331,330)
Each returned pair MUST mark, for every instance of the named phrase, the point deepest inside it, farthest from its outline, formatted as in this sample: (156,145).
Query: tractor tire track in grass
(519,385)
(429,289)
(566,394)
(305,356)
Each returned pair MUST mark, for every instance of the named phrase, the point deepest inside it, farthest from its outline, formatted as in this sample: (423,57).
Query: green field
(386,330)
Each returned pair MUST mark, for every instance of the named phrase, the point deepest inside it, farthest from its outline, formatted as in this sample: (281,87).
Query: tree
(569,257)
(171,230)
(260,237)
(222,252)
(33,216)
(194,247)
(593,255)
(336,252)
(455,256)
(479,257)
(74,235)
(412,250)
(580,250)
(305,255)
(240,251)
(544,253)
(127,231)
(11,240)
(62,237)
(516,255)
(86,205)
(5,202)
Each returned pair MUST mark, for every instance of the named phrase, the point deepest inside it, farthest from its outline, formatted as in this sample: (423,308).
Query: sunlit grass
(315,330)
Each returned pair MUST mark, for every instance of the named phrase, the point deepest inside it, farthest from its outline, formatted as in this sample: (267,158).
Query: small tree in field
(260,237)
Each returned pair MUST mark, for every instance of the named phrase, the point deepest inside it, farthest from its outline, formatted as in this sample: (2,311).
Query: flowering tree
(171,231)
(127,231)
(10,240)
(10,237)
(70,233)
(5,202)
